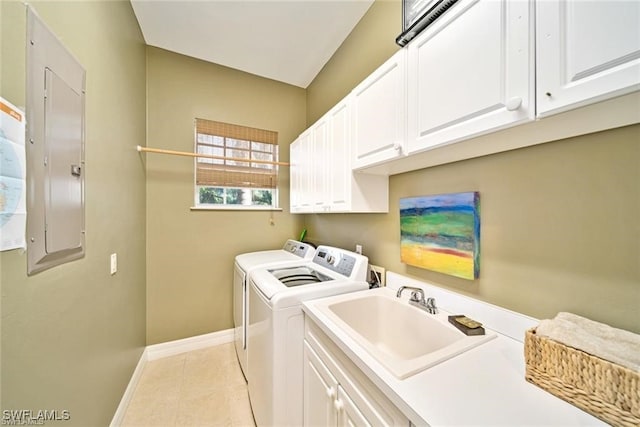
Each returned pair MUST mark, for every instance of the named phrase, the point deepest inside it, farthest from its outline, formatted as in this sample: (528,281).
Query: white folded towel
(612,344)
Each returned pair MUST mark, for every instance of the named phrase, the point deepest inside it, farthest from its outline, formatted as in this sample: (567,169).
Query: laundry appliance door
(260,360)
(240,316)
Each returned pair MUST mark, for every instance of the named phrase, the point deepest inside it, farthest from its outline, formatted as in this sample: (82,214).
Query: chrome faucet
(417,299)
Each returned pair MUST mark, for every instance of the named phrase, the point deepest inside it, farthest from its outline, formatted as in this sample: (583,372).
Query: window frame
(228,165)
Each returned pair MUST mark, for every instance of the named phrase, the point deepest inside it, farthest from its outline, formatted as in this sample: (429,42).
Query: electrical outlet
(359,249)
(377,275)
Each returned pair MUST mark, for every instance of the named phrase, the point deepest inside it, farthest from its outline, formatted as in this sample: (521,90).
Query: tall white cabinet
(587,51)
(471,72)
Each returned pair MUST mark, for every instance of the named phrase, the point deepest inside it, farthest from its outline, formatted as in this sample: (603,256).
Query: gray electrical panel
(55,150)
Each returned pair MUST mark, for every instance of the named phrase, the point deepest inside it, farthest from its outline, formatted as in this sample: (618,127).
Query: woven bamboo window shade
(234,144)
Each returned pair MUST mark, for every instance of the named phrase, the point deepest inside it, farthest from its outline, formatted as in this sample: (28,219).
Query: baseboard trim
(172,348)
(118,417)
(166,349)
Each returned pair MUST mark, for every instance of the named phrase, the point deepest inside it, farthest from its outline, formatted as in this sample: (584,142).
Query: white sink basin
(403,338)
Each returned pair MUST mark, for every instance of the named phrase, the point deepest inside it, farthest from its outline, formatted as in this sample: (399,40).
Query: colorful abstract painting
(442,233)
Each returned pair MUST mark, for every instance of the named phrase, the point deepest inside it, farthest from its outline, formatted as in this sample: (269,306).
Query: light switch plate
(114,263)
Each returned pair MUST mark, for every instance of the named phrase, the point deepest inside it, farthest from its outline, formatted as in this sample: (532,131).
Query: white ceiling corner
(285,40)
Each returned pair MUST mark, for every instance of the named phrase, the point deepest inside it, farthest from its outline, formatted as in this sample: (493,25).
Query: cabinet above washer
(322,177)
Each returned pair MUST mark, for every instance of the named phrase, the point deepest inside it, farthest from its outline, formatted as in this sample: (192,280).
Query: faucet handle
(431,305)
(417,296)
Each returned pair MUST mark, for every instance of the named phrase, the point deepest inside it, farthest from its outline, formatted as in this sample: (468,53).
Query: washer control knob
(331,259)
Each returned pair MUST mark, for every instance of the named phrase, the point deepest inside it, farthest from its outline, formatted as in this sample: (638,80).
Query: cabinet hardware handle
(338,405)
(397,146)
(331,393)
(76,170)
(514,103)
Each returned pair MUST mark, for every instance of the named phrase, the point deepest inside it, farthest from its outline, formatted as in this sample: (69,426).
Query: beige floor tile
(151,415)
(240,407)
(163,368)
(211,409)
(200,388)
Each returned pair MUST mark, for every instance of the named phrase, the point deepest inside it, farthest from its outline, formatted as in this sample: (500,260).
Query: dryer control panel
(339,260)
(300,249)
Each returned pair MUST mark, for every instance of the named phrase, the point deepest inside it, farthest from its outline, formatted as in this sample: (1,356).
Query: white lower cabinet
(320,391)
(348,413)
(336,392)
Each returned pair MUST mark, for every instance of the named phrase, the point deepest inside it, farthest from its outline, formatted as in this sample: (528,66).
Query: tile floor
(200,388)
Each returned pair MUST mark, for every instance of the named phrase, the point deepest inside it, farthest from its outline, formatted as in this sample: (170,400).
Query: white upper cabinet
(470,73)
(339,180)
(301,179)
(322,180)
(349,191)
(587,51)
(320,165)
(295,179)
(379,113)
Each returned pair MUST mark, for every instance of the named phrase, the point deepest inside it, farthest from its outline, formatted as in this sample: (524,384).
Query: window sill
(234,208)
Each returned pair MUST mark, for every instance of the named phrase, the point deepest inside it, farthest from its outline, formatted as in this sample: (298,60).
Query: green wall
(559,221)
(370,43)
(190,253)
(72,335)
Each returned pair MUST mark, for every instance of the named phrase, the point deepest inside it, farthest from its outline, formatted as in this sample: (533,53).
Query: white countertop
(484,386)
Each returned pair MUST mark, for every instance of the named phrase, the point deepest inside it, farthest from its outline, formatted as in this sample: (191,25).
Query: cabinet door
(587,51)
(306,172)
(470,73)
(339,175)
(320,391)
(319,165)
(348,413)
(295,178)
(378,113)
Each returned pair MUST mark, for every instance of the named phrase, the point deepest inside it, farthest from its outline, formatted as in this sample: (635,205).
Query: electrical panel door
(55,150)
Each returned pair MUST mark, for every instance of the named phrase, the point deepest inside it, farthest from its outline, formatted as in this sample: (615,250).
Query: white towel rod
(208,156)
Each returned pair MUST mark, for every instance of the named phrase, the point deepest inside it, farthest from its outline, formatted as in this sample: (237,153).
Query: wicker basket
(606,390)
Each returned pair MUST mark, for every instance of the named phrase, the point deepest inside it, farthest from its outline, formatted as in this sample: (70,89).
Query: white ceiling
(284,40)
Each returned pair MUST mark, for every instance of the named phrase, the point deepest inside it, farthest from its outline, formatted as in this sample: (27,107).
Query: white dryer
(275,330)
(244,264)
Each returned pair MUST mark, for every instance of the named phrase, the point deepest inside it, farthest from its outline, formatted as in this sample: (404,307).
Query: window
(241,167)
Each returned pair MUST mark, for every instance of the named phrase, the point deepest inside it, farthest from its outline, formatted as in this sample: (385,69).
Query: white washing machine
(275,330)
(244,264)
